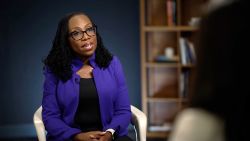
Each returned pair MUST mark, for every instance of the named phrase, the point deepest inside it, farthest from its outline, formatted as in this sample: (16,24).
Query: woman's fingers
(96,134)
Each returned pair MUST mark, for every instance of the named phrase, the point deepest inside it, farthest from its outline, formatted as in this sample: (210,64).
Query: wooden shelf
(163,99)
(165,84)
(161,65)
(169,28)
(187,66)
(157,134)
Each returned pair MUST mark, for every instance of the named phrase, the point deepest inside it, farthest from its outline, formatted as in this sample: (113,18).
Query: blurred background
(27,29)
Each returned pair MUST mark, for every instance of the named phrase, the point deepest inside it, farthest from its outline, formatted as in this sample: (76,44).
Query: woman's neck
(84,59)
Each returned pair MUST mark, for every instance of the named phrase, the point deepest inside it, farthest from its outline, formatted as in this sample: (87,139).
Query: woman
(218,110)
(85,96)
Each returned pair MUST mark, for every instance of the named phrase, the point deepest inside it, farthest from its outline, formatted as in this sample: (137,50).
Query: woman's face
(82,37)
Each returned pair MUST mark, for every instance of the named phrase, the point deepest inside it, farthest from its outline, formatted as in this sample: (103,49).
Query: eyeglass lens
(78,35)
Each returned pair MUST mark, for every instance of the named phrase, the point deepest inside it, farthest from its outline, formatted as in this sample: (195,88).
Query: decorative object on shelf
(194,21)
(169,52)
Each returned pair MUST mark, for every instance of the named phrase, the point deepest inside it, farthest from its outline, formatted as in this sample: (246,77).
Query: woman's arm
(51,113)
(122,111)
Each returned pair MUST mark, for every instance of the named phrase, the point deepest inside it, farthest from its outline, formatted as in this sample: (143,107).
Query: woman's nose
(85,37)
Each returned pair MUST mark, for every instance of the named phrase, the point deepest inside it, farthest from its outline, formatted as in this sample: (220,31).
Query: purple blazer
(60,100)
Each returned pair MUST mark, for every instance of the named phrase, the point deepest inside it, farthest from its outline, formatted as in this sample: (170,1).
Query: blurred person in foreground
(220,97)
(85,96)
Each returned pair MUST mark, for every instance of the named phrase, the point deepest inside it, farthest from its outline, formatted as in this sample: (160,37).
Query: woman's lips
(87,46)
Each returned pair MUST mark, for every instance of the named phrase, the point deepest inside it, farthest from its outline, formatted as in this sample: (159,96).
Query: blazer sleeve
(122,111)
(51,112)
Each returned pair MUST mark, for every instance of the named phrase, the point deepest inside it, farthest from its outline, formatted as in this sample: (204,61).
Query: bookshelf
(165,81)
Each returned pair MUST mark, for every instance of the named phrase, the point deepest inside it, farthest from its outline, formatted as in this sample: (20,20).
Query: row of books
(187,56)
(187,51)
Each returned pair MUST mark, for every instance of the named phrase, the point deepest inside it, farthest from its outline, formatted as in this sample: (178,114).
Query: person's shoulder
(194,124)
(46,69)
(194,112)
(115,60)
(197,115)
(48,72)
(116,64)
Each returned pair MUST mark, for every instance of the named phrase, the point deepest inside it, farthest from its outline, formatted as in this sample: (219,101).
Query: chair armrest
(139,120)
(39,126)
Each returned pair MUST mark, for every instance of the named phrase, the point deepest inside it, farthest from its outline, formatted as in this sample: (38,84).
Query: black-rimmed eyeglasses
(79,34)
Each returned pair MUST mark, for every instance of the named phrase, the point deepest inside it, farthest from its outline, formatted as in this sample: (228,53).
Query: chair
(139,122)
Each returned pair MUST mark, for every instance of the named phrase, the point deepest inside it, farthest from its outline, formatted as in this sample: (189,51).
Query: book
(192,52)
(183,51)
(184,84)
(163,58)
(170,16)
(174,12)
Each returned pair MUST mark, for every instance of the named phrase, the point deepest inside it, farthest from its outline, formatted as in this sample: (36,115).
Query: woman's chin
(88,54)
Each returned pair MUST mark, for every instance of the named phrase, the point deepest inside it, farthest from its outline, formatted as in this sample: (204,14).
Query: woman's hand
(107,136)
(89,136)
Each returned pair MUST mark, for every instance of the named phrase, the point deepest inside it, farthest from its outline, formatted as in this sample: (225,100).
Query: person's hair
(60,56)
(220,83)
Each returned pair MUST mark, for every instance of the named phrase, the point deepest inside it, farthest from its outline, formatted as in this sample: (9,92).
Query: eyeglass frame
(85,31)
